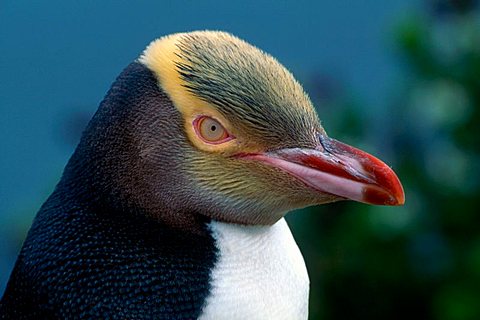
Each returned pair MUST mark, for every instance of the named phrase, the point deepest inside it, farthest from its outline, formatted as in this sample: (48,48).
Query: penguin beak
(339,169)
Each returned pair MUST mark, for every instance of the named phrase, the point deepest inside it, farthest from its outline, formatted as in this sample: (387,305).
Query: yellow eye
(210,130)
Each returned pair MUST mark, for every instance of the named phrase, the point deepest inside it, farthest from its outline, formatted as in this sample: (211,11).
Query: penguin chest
(260,274)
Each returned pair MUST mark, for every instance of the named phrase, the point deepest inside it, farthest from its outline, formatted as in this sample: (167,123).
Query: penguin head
(229,134)
(255,147)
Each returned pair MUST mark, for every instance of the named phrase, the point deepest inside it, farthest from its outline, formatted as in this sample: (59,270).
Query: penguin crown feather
(243,83)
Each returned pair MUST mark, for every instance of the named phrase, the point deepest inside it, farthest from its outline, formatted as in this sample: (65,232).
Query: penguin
(172,205)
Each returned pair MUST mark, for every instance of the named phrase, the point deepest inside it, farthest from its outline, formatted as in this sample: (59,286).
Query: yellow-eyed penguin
(172,205)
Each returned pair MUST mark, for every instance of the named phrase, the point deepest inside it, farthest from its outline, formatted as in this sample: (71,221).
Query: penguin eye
(210,130)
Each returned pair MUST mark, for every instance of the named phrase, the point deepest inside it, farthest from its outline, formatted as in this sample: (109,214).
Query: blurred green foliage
(420,261)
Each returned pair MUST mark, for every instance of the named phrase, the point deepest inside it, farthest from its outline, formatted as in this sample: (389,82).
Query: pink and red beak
(339,169)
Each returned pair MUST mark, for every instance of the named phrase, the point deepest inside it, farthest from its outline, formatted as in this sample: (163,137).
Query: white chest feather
(260,274)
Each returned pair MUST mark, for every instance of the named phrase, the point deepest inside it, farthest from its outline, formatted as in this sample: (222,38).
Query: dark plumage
(94,249)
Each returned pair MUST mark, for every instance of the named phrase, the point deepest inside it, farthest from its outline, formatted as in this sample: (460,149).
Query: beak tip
(398,194)
(399,199)
(389,193)
(380,197)
(394,201)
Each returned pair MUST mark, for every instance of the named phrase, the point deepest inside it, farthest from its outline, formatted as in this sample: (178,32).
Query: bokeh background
(398,78)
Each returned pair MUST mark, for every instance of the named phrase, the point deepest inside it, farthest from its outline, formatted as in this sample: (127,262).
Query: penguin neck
(253,261)
(85,200)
